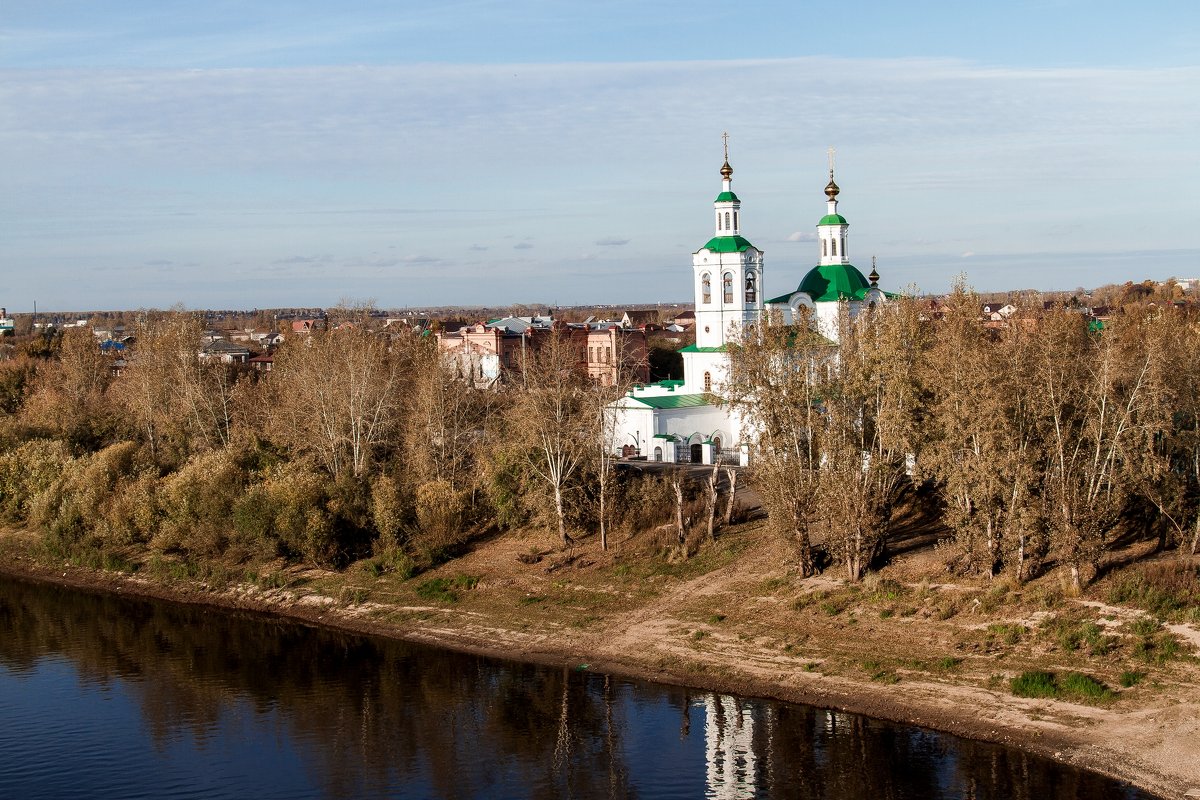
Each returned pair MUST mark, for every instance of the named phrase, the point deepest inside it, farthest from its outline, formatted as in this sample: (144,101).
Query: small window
(726,220)
(727,287)
(705,288)
(751,289)
(608,355)
(708,381)
(843,245)
(718,220)
(824,247)
(735,222)
(834,243)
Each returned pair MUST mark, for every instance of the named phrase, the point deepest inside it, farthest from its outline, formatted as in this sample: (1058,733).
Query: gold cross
(831,152)
(725,139)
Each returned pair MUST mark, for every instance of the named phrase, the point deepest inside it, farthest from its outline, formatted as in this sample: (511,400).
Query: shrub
(28,471)
(440,511)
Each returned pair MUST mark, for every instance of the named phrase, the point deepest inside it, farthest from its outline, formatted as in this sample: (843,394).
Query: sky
(267,154)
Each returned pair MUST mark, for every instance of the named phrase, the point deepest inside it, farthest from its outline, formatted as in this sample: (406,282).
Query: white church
(686,421)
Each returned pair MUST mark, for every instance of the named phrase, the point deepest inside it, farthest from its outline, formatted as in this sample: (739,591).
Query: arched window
(843,245)
(834,243)
(727,287)
(726,220)
(705,288)
(735,222)
(751,288)
(708,381)
(824,247)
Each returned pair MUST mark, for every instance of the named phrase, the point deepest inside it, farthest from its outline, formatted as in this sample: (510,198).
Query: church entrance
(697,453)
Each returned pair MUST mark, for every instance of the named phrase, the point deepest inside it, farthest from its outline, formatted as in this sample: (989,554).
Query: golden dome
(726,170)
(831,189)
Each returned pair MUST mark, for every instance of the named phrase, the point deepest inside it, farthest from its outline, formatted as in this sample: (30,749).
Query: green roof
(727,197)
(829,283)
(727,244)
(691,348)
(676,400)
(832,219)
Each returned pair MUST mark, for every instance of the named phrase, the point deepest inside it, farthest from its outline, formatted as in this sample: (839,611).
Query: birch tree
(554,421)
(335,395)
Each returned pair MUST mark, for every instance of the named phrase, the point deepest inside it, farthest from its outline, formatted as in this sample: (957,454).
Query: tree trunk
(1196,535)
(712,503)
(731,474)
(562,516)
(677,485)
(603,528)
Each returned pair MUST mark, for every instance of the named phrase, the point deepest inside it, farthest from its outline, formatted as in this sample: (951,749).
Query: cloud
(522,246)
(967,254)
(302,260)
(478,247)
(802,236)
(612,242)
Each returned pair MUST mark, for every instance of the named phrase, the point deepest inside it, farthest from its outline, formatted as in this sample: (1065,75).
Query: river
(107,696)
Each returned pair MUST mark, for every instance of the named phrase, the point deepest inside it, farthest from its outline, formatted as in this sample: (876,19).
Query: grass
(446,590)
(1070,686)
(1072,634)
(1170,590)
(1131,678)
(1009,634)
(879,673)
(1154,644)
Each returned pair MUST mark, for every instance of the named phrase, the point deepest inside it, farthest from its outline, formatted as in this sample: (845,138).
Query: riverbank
(734,618)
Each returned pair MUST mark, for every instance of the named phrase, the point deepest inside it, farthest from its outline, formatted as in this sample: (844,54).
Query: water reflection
(235,704)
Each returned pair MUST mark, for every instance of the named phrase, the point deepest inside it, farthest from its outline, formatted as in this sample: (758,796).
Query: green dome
(833,219)
(727,197)
(727,244)
(834,282)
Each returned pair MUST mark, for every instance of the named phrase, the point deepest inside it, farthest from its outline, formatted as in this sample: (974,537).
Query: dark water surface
(103,696)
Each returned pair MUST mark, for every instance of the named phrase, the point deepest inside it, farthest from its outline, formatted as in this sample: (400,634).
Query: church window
(735,222)
(708,381)
(843,245)
(726,220)
(727,287)
(834,243)
(751,289)
(824,247)
(705,288)
(718,220)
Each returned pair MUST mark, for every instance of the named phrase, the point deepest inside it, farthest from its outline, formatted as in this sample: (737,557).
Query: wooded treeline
(357,443)
(1044,442)
(1049,439)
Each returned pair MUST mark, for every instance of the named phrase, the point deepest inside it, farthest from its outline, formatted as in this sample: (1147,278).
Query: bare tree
(554,420)
(335,395)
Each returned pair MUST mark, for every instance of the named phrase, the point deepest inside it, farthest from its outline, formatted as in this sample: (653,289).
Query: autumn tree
(774,385)
(1095,389)
(870,426)
(553,421)
(983,447)
(335,395)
